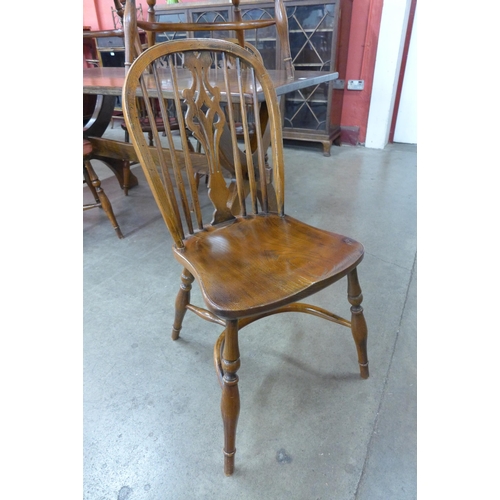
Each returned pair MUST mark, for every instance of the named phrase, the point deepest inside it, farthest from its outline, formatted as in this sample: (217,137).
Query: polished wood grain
(248,257)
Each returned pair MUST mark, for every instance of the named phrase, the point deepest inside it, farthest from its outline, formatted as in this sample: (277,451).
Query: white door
(406,121)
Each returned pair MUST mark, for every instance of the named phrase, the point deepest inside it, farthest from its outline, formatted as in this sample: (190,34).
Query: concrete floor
(310,427)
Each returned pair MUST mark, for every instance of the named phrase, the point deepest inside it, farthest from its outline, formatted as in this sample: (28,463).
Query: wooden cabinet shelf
(319,37)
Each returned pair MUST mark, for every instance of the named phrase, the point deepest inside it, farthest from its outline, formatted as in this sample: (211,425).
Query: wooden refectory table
(109,81)
(107,85)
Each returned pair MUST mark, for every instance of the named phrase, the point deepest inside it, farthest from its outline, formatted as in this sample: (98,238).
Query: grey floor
(310,427)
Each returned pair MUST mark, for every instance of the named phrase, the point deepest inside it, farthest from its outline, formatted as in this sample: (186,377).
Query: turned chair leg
(358,323)
(230,401)
(126,177)
(86,177)
(103,199)
(182,300)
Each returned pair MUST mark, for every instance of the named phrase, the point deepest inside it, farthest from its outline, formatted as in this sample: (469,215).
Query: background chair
(90,106)
(249,260)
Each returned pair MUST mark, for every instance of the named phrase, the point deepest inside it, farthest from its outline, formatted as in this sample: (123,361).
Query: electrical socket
(338,84)
(355,84)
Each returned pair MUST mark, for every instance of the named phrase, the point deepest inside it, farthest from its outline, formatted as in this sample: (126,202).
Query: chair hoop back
(213,84)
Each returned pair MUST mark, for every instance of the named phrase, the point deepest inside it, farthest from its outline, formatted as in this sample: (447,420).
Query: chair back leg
(102,200)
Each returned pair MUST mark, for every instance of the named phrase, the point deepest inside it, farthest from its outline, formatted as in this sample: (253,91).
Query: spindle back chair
(249,260)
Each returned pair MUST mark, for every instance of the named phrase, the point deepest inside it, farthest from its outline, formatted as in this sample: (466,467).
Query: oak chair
(93,182)
(249,261)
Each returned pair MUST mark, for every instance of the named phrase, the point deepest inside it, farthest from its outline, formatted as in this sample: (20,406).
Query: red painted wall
(97,13)
(365,25)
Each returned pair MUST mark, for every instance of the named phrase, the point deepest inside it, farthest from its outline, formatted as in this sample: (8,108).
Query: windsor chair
(249,259)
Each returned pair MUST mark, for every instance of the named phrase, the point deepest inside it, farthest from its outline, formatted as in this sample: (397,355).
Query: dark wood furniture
(110,81)
(211,24)
(94,184)
(249,258)
(316,37)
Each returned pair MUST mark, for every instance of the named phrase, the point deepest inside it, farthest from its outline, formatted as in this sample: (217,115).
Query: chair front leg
(182,300)
(358,324)
(230,401)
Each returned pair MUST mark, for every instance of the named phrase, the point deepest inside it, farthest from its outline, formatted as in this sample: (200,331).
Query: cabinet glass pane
(311,17)
(311,49)
(263,39)
(211,16)
(310,117)
(267,50)
(311,35)
(268,33)
(318,93)
(179,17)
(306,108)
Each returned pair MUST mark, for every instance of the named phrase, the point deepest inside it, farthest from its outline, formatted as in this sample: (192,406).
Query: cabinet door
(312,29)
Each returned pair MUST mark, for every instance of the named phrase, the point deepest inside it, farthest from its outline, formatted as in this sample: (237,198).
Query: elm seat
(303,260)
(94,184)
(249,258)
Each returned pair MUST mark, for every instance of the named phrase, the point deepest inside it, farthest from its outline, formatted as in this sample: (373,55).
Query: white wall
(387,65)
(406,122)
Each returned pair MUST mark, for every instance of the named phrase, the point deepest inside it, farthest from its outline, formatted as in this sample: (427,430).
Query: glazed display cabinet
(318,37)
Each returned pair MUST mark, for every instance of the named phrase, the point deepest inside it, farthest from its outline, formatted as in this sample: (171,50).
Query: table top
(109,81)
